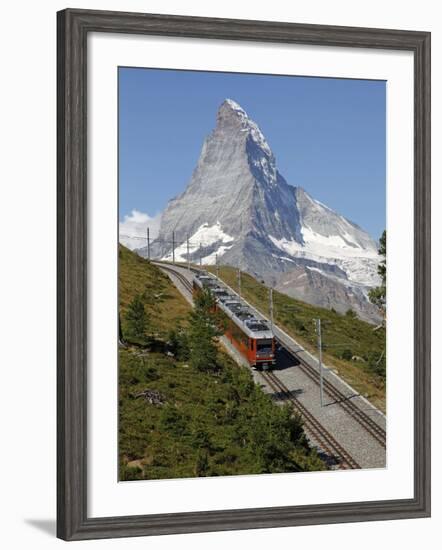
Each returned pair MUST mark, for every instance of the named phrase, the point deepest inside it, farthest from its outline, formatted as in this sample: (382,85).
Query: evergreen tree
(204,327)
(179,344)
(382,268)
(377,295)
(136,319)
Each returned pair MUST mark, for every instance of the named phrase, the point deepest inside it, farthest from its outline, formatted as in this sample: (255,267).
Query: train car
(250,335)
(201,282)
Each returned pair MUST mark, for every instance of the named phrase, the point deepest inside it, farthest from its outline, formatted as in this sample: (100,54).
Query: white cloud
(132,230)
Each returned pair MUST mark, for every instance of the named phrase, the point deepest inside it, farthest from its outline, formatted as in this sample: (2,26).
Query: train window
(251,343)
(263,344)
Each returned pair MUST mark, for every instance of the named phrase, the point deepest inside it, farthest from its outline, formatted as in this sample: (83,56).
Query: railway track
(316,430)
(320,434)
(361,417)
(183,280)
(364,420)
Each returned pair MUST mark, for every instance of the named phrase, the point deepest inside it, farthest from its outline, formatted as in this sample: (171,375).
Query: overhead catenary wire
(165,241)
(190,247)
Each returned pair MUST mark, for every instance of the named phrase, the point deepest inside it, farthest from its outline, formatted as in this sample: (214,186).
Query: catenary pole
(148,244)
(188,255)
(271,307)
(216,265)
(173,247)
(321,386)
(239,283)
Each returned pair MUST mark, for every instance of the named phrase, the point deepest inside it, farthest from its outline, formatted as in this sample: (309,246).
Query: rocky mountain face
(238,209)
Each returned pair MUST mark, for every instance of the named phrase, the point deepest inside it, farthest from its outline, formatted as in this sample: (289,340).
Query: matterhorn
(237,209)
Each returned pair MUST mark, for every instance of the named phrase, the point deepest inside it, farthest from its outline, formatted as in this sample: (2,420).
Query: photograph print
(252,274)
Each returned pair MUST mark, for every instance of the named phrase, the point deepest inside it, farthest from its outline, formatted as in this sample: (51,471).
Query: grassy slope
(339,333)
(164,304)
(208,425)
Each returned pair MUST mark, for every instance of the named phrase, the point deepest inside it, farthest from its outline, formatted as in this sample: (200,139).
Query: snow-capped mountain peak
(230,107)
(236,107)
(237,206)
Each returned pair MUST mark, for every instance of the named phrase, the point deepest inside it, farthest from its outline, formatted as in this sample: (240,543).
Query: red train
(250,336)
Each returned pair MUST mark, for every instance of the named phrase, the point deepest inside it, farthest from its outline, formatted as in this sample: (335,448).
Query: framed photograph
(235,351)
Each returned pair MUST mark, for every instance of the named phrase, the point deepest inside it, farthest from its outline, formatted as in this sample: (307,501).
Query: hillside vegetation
(350,345)
(164,304)
(180,417)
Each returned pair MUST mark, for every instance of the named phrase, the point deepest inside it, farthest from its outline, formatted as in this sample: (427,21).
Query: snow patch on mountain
(363,271)
(212,258)
(360,265)
(331,246)
(310,268)
(206,237)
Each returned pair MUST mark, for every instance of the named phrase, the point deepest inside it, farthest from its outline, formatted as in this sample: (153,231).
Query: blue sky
(328,136)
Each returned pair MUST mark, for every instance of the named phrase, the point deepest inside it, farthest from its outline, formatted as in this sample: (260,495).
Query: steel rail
(183,280)
(318,432)
(360,416)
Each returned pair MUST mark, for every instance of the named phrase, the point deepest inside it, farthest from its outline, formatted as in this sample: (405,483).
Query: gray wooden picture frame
(73,28)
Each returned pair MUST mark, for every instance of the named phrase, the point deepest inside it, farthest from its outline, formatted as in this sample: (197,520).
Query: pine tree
(382,268)
(179,343)
(377,295)
(136,319)
(204,327)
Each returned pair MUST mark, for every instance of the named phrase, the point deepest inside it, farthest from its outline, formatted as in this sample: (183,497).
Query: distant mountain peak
(230,113)
(238,208)
(235,107)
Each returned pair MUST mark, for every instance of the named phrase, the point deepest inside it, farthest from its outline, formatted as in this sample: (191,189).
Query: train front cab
(262,353)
